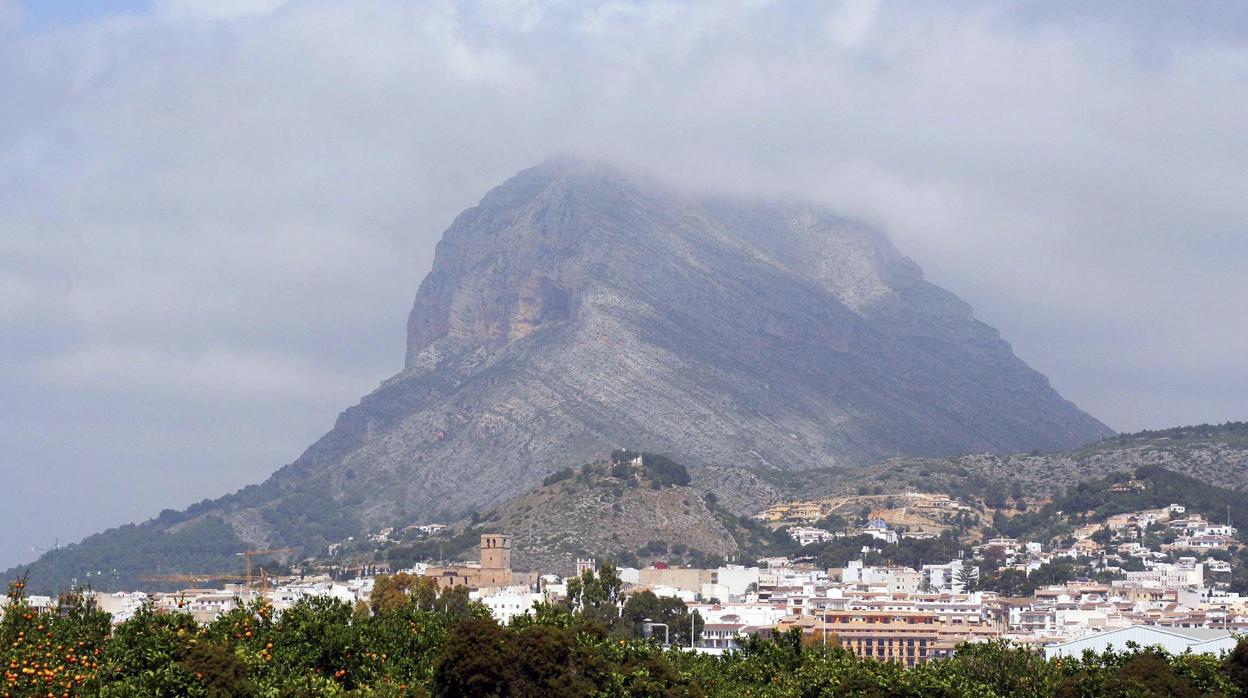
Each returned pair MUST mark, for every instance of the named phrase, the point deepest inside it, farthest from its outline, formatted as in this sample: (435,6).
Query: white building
(509,602)
(806,535)
(737,578)
(894,579)
(1203,542)
(762,615)
(121,605)
(688,596)
(712,590)
(879,530)
(1173,640)
(1186,572)
(946,577)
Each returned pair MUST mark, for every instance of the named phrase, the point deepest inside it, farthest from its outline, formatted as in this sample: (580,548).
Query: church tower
(495,552)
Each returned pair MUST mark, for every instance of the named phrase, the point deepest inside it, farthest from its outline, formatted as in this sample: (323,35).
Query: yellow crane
(248,577)
(251,553)
(192,578)
(209,577)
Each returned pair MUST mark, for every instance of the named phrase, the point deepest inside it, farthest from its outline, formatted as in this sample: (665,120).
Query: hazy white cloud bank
(213,215)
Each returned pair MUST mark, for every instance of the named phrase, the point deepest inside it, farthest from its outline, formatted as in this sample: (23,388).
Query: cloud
(215,9)
(214,216)
(849,22)
(211,374)
(10,15)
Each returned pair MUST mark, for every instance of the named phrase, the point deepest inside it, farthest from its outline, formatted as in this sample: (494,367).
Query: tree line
(416,640)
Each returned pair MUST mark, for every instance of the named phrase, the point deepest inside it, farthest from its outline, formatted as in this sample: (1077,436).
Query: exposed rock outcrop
(576,309)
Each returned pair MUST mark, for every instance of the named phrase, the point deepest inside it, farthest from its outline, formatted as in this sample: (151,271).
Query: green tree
(475,661)
(392,592)
(645,605)
(1149,674)
(144,655)
(219,672)
(968,578)
(596,597)
(1016,490)
(1236,667)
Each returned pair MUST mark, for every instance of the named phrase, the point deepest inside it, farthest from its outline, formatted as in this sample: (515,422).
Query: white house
(806,535)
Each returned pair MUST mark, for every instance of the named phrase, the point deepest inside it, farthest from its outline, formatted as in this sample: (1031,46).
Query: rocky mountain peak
(577,309)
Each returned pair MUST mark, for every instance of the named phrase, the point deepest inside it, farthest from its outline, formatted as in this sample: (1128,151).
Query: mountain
(577,309)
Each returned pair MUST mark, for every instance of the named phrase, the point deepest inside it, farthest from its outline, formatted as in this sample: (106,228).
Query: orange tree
(419,644)
(48,653)
(144,655)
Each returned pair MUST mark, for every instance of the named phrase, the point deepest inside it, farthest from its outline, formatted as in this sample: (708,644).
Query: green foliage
(994,495)
(1197,431)
(145,655)
(67,643)
(320,647)
(596,597)
(753,538)
(833,523)
(206,545)
(1017,583)
(402,591)
(666,471)
(313,518)
(559,476)
(908,552)
(661,470)
(645,606)
(220,672)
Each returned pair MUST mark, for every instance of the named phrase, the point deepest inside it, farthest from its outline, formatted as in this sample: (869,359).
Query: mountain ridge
(577,309)
(199,539)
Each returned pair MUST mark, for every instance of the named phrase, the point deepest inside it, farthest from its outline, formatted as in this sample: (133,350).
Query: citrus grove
(415,641)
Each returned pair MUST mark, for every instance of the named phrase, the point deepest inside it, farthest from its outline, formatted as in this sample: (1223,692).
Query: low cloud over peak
(194,187)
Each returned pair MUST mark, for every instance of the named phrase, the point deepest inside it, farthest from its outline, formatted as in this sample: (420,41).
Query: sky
(214,214)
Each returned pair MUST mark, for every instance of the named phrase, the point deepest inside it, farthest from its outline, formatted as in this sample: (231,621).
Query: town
(1174,594)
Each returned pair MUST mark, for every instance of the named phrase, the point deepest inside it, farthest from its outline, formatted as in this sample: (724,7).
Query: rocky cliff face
(576,309)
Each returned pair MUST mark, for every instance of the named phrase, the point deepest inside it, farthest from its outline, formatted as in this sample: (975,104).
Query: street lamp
(54,550)
(649,626)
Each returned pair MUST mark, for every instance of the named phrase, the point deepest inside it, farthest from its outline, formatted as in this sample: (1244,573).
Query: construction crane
(192,578)
(264,583)
(248,577)
(209,577)
(250,553)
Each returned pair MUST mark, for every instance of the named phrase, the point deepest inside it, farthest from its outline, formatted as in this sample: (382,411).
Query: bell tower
(495,551)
